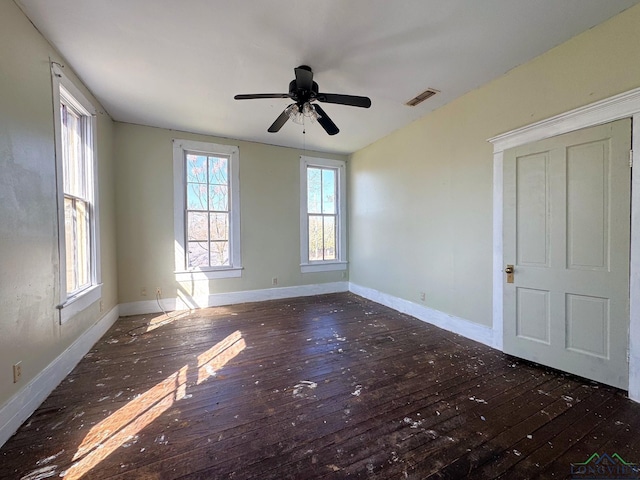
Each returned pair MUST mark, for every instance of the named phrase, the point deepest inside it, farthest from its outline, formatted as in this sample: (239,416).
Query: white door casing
(566,231)
(625,105)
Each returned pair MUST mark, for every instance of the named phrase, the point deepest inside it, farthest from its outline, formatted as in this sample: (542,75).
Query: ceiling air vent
(429,92)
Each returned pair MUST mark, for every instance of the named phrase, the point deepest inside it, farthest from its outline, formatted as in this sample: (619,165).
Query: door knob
(509,272)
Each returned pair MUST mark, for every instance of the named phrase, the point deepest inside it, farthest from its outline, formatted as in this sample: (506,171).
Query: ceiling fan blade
(304,78)
(251,96)
(351,100)
(280,121)
(325,121)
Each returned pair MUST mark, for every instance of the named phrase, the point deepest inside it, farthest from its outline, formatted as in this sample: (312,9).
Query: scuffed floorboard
(332,386)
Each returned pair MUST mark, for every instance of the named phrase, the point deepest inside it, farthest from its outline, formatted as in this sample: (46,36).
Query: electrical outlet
(143,292)
(274,281)
(17,372)
(101,306)
(158,292)
(423,296)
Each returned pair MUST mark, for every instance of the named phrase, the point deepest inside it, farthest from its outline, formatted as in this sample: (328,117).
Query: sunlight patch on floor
(104,438)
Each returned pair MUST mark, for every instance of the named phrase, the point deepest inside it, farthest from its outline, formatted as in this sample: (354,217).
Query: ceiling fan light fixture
(297,116)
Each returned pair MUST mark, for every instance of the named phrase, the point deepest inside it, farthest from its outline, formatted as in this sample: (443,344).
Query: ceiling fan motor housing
(302,96)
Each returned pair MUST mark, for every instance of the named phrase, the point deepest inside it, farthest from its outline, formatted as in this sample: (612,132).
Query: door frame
(624,105)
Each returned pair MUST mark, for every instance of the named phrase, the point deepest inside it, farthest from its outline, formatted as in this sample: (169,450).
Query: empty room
(300,240)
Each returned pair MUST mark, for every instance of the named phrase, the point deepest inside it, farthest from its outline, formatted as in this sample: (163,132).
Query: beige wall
(29,287)
(421,199)
(269,205)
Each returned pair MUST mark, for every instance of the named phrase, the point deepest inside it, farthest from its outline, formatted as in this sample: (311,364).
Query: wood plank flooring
(332,386)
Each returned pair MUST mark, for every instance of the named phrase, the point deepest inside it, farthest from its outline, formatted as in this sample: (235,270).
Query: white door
(567,236)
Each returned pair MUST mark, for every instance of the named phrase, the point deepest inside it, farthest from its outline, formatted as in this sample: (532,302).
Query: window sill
(208,274)
(79,302)
(323,267)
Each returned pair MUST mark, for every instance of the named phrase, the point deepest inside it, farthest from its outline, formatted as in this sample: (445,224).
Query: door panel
(566,231)
(588,325)
(532,202)
(587,206)
(533,315)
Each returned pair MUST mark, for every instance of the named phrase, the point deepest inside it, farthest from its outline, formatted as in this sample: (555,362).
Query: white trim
(235,255)
(62,86)
(624,105)
(451,323)
(78,303)
(20,407)
(230,298)
(341,250)
(81,101)
(57,127)
(95,206)
(323,267)
(498,286)
(634,280)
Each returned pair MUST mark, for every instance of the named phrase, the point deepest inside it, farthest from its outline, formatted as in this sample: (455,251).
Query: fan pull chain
(304,135)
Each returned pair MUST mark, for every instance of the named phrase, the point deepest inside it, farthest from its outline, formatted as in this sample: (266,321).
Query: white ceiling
(178,63)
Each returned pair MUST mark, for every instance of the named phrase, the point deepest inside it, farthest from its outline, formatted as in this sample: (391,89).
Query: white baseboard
(20,407)
(466,328)
(230,298)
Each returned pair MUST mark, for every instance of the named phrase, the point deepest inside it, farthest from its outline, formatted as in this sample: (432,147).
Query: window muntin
(322,213)
(76,171)
(208,210)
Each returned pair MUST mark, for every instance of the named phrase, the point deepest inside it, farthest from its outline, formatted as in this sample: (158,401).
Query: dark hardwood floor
(330,386)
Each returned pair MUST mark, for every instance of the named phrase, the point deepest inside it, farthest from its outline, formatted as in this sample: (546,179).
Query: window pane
(69,241)
(196,168)
(314,190)
(72,159)
(219,226)
(208,209)
(65,148)
(82,243)
(198,254)
(315,237)
(329,190)
(77,247)
(196,196)
(219,254)
(197,226)
(329,237)
(218,168)
(218,197)
(76,162)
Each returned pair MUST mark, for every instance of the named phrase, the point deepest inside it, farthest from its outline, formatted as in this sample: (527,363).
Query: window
(207,211)
(76,159)
(74,123)
(322,215)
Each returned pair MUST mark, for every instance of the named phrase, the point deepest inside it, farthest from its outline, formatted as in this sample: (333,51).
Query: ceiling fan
(303,91)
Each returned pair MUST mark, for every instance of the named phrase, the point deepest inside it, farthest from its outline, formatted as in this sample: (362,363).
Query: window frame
(340,263)
(65,91)
(180,149)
